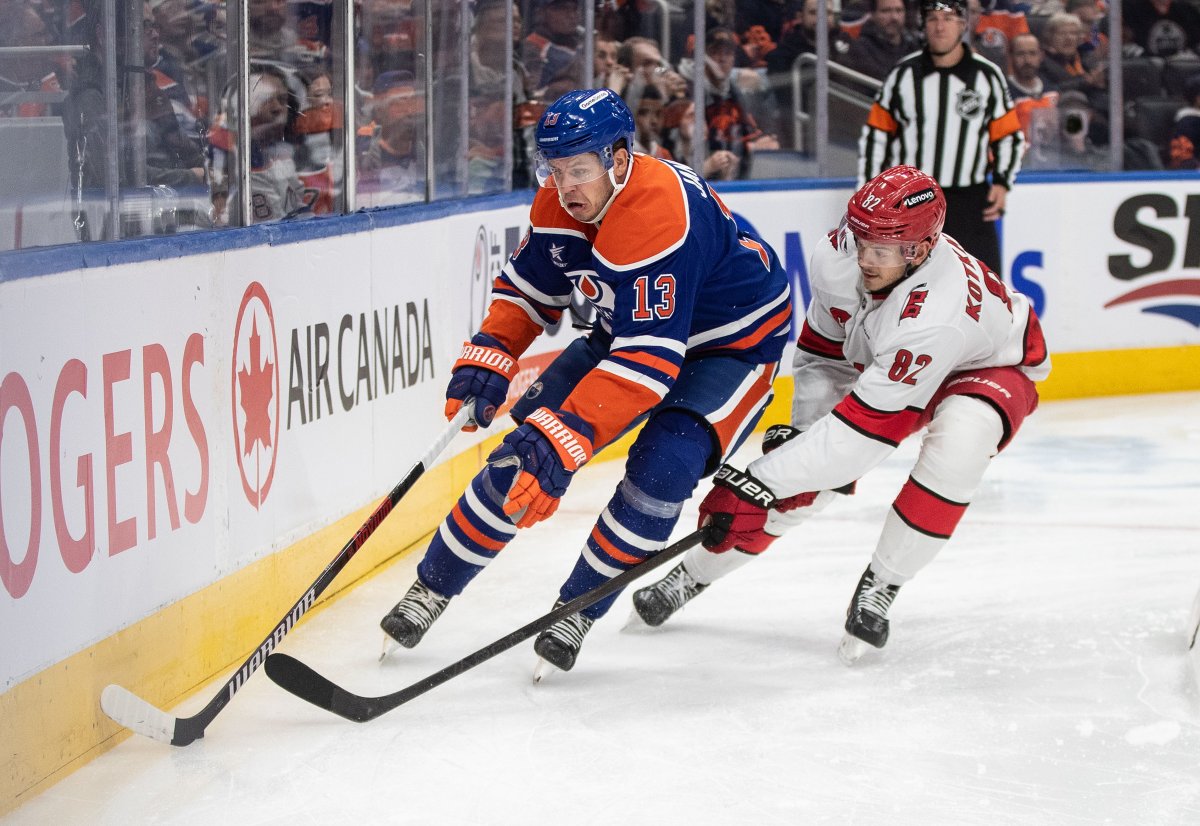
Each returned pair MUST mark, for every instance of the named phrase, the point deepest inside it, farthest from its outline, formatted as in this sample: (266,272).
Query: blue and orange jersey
(670,276)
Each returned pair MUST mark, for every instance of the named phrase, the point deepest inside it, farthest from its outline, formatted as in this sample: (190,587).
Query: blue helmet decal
(586,120)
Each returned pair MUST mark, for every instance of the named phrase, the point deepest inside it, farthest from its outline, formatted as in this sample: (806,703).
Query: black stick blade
(297,678)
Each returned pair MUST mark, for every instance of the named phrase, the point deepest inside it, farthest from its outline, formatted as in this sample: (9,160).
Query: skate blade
(542,670)
(389,646)
(635,622)
(850,649)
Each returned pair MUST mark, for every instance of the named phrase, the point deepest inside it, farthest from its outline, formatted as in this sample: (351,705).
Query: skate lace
(877,598)
(677,587)
(571,630)
(421,606)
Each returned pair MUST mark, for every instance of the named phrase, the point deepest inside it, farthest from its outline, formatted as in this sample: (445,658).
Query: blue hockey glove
(548,448)
(483,372)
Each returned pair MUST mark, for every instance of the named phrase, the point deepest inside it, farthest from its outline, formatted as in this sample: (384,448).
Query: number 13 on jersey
(657,301)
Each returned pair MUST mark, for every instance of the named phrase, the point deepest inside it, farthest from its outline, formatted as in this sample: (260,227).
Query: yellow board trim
(51,724)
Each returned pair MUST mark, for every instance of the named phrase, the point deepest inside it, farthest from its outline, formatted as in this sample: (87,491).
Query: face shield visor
(575,170)
(878,254)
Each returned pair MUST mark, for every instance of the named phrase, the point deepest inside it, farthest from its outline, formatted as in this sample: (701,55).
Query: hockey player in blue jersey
(692,316)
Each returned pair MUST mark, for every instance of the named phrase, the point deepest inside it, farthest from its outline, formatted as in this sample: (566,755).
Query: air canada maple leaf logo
(255,395)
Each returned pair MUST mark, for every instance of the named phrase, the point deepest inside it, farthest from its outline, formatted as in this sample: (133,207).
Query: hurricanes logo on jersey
(969,104)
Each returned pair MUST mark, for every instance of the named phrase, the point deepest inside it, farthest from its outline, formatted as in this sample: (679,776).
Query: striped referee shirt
(954,123)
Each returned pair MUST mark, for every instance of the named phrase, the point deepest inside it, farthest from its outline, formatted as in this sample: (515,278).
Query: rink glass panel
(124,122)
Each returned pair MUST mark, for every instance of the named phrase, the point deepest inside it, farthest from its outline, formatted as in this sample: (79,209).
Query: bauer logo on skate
(255,396)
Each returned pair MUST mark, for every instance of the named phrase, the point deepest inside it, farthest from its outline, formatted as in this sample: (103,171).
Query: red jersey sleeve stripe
(889,427)
(1035,341)
(813,342)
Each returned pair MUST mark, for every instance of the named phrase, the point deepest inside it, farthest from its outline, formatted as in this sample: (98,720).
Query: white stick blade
(131,711)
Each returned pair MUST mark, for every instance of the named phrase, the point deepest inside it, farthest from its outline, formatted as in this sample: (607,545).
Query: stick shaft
(189,729)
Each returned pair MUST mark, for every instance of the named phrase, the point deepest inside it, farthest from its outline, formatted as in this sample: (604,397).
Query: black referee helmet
(959,7)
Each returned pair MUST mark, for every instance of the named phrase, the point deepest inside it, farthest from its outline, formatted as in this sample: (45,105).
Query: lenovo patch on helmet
(918,198)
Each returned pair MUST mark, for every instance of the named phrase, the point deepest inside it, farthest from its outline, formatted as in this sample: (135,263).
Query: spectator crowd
(178,92)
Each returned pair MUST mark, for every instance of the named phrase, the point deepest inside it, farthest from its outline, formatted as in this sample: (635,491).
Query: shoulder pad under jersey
(649,219)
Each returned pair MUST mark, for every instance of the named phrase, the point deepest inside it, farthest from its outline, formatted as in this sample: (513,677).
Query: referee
(948,112)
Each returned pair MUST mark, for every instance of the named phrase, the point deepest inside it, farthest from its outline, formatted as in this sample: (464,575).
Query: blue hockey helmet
(586,120)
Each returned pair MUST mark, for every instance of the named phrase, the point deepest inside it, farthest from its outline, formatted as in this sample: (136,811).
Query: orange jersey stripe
(609,403)
(612,550)
(509,325)
(769,326)
(474,535)
(881,119)
(654,362)
(727,428)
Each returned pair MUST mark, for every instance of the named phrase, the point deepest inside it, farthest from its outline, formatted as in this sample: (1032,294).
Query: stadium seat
(1143,77)
(1152,119)
(1177,70)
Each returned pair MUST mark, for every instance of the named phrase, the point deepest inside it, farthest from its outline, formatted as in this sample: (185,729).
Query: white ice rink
(1037,674)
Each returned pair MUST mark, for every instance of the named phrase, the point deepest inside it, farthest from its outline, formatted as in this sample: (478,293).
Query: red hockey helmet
(902,206)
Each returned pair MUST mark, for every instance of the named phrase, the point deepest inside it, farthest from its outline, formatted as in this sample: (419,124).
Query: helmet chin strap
(617,187)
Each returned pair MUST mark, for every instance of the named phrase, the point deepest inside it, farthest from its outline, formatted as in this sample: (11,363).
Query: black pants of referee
(964,222)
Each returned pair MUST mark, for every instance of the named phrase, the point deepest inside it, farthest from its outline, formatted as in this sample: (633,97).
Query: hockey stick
(131,711)
(296,677)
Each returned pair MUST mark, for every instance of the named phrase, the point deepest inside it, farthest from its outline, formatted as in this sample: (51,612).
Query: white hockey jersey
(867,365)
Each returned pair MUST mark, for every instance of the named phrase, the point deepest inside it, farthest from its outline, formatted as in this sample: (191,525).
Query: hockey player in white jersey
(905,330)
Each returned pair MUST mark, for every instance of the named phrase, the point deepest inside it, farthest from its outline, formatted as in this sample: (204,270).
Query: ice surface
(1036,673)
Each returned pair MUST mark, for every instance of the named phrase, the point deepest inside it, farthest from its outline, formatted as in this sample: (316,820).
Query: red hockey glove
(483,372)
(550,446)
(735,512)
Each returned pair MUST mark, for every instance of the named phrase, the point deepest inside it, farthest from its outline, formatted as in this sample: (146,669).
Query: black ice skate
(411,617)
(656,603)
(559,644)
(866,617)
